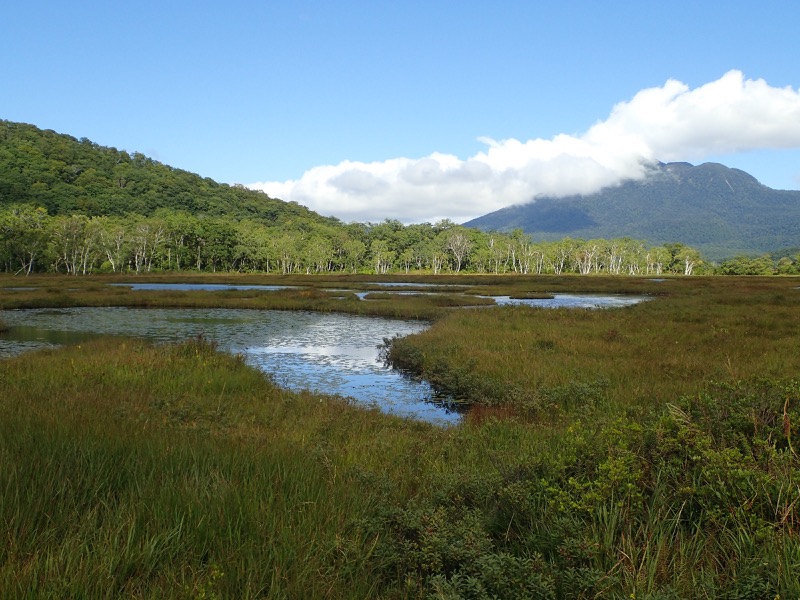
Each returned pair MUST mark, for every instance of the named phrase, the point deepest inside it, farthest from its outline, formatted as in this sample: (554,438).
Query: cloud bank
(671,122)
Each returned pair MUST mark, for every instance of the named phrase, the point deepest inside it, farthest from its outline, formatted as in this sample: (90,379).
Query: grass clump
(434,300)
(531,296)
(128,470)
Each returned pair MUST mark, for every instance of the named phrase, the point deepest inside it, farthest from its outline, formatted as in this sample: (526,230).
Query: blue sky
(414,110)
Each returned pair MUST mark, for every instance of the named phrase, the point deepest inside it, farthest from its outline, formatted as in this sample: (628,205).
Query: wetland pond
(328,353)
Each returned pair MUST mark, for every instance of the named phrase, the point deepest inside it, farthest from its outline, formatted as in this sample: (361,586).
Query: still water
(327,353)
(323,352)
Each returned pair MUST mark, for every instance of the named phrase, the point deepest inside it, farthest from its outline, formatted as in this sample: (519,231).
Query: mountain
(76,176)
(721,211)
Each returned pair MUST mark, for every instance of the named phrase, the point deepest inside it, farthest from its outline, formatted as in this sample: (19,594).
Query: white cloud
(671,122)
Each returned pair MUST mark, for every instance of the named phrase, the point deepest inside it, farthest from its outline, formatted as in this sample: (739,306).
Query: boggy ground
(541,362)
(646,452)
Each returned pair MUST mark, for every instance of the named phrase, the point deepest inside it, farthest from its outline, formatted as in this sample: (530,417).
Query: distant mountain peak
(720,210)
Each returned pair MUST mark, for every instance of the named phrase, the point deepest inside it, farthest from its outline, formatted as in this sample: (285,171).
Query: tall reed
(128,470)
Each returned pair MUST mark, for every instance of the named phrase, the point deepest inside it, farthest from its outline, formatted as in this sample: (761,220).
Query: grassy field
(546,362)
(643,452)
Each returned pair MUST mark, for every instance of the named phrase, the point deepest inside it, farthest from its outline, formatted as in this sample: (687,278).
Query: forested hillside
(720,211)
(69,176)
(72,206)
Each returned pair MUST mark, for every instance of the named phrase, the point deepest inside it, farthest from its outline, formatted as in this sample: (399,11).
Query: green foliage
(762,265)
(68,176)
(175,240)
(628,508)
(138,214)
(72,206)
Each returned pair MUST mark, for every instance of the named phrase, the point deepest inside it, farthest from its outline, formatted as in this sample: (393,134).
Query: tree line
(31,240)
(72,206)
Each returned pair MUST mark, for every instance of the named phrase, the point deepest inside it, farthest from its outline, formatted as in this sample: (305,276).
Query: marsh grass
(531,296)
(545,361)
(173,471)
(450,300)
(130,470)
(315,297)
(428,301)
(491,285)
(649,451)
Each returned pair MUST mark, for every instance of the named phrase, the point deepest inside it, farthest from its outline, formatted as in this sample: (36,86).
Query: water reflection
(572,301)
(556,301)
(326,353)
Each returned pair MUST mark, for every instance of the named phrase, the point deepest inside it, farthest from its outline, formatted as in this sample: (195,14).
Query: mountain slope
(67,176)
(718,210)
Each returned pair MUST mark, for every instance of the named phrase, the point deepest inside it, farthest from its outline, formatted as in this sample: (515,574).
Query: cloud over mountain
(671,122)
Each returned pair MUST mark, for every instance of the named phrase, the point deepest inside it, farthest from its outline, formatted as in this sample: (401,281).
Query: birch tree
(112,238)
(24,232)
(73,239)
(459,244)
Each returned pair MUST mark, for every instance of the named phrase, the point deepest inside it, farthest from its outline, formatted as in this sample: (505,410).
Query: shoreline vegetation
(649,451)
(431,299)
